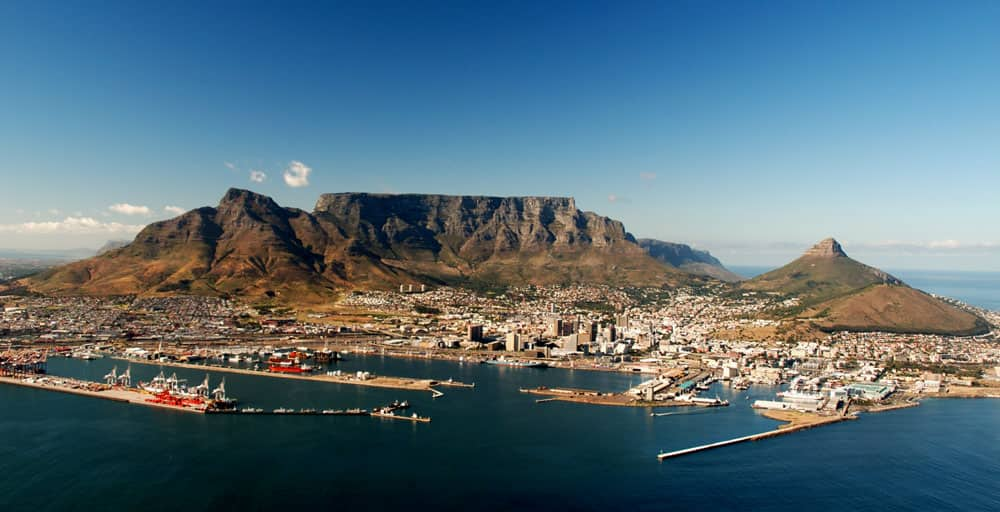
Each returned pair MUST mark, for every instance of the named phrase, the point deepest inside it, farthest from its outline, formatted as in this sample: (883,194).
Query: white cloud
(260,176)
(944,244)
(73,226)
(647,176)
(230,165)
(54,211)
(297,174)
(612,198)
(129,209)
(175,210)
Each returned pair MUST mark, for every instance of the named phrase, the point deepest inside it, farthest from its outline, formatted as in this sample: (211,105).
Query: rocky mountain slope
(250,245)
(688,259)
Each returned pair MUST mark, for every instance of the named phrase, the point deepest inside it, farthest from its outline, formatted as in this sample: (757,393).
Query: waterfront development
(574,446)
(654,396)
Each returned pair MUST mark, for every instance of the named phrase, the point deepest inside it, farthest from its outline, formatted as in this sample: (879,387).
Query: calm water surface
(490,448)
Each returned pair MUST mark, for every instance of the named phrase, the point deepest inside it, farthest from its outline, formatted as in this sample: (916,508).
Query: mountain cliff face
(250,245)
(507,239)
(688,259)
(837,293)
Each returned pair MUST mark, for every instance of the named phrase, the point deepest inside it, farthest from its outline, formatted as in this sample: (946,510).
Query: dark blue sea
(980,289)
(488,448)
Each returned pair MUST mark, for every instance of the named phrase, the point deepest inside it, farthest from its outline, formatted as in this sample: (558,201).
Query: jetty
(794,426)
(393,416)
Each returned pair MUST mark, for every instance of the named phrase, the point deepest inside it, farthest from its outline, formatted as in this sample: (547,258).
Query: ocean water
(980,289)
(488,448)
(977,288)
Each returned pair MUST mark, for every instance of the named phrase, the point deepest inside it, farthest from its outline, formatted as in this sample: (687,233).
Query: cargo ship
(520,364)
(173,392)
(294,368)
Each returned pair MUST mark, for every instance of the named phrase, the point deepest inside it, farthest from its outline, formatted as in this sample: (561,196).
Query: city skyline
(751,131)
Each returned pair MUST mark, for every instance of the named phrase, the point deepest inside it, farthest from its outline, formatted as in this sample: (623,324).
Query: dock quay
(95,390)
(136,397)
(376,381)
(892,407)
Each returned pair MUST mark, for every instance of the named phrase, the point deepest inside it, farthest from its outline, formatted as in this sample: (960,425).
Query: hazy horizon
(770,256)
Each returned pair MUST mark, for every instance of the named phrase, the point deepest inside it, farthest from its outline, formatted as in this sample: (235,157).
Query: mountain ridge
(249,244)
(688,259)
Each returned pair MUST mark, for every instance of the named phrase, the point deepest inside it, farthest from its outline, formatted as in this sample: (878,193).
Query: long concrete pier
(755,437)
(375,381)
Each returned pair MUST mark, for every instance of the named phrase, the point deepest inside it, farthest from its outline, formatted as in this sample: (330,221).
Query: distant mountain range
(249,245)
(837,293)
(53,255)
(690,260)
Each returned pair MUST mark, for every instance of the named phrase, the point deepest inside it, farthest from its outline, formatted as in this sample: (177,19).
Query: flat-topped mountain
(688,259)
(248,244)
(835,292)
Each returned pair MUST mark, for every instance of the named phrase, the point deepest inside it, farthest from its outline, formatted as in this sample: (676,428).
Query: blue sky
(751,129)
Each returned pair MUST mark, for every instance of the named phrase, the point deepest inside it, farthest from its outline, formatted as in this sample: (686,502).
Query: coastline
(377,381)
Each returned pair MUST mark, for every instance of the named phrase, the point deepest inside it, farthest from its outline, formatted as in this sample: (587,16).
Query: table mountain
(250,245)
